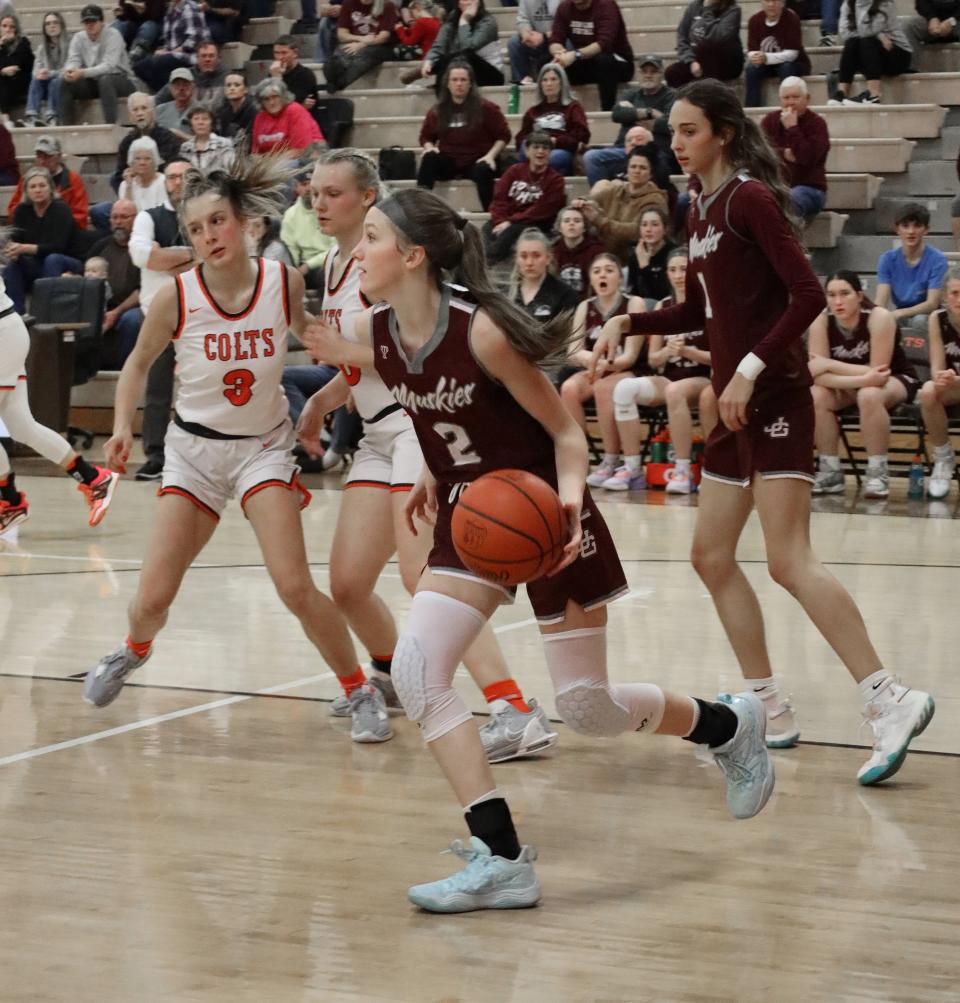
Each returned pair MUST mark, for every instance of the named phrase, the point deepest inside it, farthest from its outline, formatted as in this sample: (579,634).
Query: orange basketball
(509,527)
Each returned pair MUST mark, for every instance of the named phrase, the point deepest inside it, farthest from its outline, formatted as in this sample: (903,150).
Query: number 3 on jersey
(239,384)
(458,442)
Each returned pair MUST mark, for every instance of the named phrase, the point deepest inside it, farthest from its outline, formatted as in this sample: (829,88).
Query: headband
(392,209)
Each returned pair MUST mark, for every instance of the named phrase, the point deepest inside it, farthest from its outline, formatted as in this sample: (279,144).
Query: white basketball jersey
(342,304)
(230,365)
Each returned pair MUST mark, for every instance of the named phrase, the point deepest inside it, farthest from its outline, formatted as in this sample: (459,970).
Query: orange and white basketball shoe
(12,515)
(99,493)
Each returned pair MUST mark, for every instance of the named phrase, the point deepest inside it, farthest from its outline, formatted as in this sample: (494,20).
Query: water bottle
(513,105)
(915,479)
(659,447)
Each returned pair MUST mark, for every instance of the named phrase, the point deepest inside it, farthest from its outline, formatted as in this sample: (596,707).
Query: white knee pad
(627,394)
(586,700)
(438,632)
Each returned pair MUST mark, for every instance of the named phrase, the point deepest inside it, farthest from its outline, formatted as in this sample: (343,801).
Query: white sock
(876,686)
(681,466)
(611,459)
(878,461)
(944,452)
(830,462)
(632,462)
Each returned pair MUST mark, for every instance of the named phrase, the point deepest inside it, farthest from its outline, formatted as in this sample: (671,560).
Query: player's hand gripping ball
(509,527)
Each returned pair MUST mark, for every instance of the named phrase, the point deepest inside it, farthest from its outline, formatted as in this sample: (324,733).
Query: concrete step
(933,177)
(913,88)
(876,121)
(885,210)
(75,139)
(861,253)
(844,191)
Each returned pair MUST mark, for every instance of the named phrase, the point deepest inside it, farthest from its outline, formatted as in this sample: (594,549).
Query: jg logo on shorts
(778,429)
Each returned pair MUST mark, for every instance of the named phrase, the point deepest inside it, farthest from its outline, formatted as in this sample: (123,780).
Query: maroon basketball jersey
(680,368)
(595,320)
(951,340)
(751,288)
(854,346)
(467,423)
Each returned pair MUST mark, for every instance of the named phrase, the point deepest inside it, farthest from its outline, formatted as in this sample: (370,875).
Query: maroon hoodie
(524,197)
(573,264)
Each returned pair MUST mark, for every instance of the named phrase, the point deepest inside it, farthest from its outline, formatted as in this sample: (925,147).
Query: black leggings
(606,71)
(869,57)
(436,166)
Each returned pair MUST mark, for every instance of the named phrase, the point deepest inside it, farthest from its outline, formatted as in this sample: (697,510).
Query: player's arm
(938,354)
(328,398)
(325,342)
(883,335)
(633,344)
(882,297)
(579,354)
(155,334)
(536,395)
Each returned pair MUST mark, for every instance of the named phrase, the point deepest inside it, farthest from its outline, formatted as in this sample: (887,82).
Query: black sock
(82,471)
(8,490)
(717,724)
(491,822)
(381,664)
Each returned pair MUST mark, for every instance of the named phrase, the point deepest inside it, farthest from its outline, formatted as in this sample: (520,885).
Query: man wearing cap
(648,106)
(69,186)
(184,29)
(173,115)
(97,65)
(208,78)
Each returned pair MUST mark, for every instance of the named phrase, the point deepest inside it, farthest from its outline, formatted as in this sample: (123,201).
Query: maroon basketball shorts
(774,446)
(595,578)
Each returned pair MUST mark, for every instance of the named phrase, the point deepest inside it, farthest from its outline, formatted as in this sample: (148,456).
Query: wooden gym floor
(215,836)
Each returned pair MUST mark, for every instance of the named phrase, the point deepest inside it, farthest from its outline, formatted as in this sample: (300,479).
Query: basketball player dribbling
(761,452)
(370,525)
(468,376)
(231,436)
(96,483)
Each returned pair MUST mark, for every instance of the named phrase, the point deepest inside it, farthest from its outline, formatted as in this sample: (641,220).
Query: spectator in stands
(802,139)
(208,78)
(140,22)
(935,22)
(856,359)
(327,31)
(774,48)
(942,390)
(41,226)
(418,26)
(874,44)
(708,43)
(610,163)
(560,116)
(528,49)
(224,19)
(462,135)
(647,262)
(9,168)
(16,66)
(589,40)
(301,234)
(140,108)
(67,184)
(143,184)
(174,114)
(532,285)
(184,29)
(206,150)
(364,37)
(297,78)
(235,114)
(121,322)
(160,251)
(51,55)
(910,277)
(468,34)
(614,208)
(281,123)
(574,249)
(829,26)
(97,66)
(528,194)
(264,239)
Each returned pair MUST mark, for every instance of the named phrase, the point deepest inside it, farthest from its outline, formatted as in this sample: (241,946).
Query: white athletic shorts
(209,472)
(14,345)
(388,456)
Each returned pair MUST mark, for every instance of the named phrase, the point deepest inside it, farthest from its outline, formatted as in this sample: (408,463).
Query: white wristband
(751,366)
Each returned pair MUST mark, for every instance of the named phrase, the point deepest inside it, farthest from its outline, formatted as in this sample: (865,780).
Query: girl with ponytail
(750,287)
(231,435)
(465,363)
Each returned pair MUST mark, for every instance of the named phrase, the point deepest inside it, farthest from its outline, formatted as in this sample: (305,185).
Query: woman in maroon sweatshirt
(559,115)
(462,135)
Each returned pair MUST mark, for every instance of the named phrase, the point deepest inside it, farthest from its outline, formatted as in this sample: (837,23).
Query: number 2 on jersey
(239,384)
(707,308)
(458,442)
